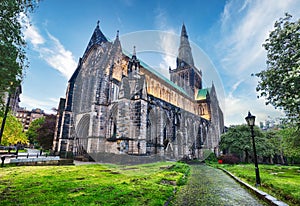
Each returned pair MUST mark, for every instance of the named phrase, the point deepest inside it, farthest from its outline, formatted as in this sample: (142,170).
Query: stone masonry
(115,104)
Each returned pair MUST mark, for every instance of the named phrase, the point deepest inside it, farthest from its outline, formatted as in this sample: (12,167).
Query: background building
(26,117)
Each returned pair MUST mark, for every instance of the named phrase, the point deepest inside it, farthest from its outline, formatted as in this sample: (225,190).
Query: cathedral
(116,104)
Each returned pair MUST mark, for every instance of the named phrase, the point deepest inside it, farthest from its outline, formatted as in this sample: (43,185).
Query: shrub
(212,157)
(229,159)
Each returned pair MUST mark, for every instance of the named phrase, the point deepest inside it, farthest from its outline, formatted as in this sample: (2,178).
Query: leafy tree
(280,82)
(275,146)
(13,132)
(291,144)
(12,44)
(237,140)
(46,132)
(32,132)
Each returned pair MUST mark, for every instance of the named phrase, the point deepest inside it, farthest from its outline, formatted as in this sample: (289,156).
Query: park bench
(5,152)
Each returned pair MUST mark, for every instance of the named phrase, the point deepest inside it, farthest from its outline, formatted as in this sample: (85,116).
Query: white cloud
(168,47)
(235,86)
(245,26)
(51,50)
(32,103)
(237,108)
(244,5)
(58,57)
(31,33)
(247,30)
(33,36)
(161,21)
(166,41)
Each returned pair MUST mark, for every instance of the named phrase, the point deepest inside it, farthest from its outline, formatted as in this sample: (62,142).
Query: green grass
(283,182)
(149,184)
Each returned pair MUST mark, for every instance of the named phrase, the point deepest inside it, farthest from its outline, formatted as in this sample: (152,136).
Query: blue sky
(226,38)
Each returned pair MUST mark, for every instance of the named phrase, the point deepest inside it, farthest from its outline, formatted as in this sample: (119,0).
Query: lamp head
(250,119)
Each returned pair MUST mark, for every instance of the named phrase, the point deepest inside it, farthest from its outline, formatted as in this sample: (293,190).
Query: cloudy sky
(226,38)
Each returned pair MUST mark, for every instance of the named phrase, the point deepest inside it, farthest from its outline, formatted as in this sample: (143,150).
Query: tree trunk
(282,158)
(247,156)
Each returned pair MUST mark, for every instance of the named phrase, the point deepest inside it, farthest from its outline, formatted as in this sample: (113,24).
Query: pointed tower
(186,75)
(116,69)
(184,52)
(133,65)
(96,39)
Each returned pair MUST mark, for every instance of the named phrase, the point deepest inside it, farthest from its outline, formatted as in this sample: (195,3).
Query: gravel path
(210,186)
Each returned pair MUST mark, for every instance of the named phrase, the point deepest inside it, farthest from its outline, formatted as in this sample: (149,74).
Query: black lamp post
(251,122)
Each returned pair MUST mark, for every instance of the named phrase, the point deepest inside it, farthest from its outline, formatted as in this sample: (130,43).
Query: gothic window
(114,92)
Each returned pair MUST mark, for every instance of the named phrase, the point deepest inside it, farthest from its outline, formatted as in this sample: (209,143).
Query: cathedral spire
(117,37)
(134,52)
(183,31)
(97,38)
(184,51)
(133,63)
(117,40)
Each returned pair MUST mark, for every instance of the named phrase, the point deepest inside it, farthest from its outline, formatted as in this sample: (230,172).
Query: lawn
(283,182)
(96,184)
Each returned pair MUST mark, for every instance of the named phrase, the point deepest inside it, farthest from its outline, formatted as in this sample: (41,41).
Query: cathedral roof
(202,94)
(159,75)
(96,39)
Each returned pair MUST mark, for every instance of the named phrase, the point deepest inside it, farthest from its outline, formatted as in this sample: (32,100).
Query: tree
(32,132)
(291,144)
(12,44)
(46,132)
(13,132)
(237,141)
(280,82)
(275,146)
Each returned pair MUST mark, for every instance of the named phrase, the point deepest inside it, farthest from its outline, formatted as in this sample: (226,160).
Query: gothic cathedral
(116,104)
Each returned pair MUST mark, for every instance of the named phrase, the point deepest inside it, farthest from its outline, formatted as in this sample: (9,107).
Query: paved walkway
(210,186)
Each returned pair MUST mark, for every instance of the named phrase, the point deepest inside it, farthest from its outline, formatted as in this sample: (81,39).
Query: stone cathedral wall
(112,107)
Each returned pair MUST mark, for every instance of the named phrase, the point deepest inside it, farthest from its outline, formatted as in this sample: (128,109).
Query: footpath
(210,186)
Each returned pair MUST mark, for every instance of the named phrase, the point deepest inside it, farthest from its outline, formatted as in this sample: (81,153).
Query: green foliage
(237,140)
(13,131)
(283,182)
(12,44)
(272,146)
(275,146)
(149,184)
(280,82)
(32,133)
(291,144)
(211,157)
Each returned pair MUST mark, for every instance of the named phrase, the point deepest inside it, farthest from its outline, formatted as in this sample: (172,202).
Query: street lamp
(251,122)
